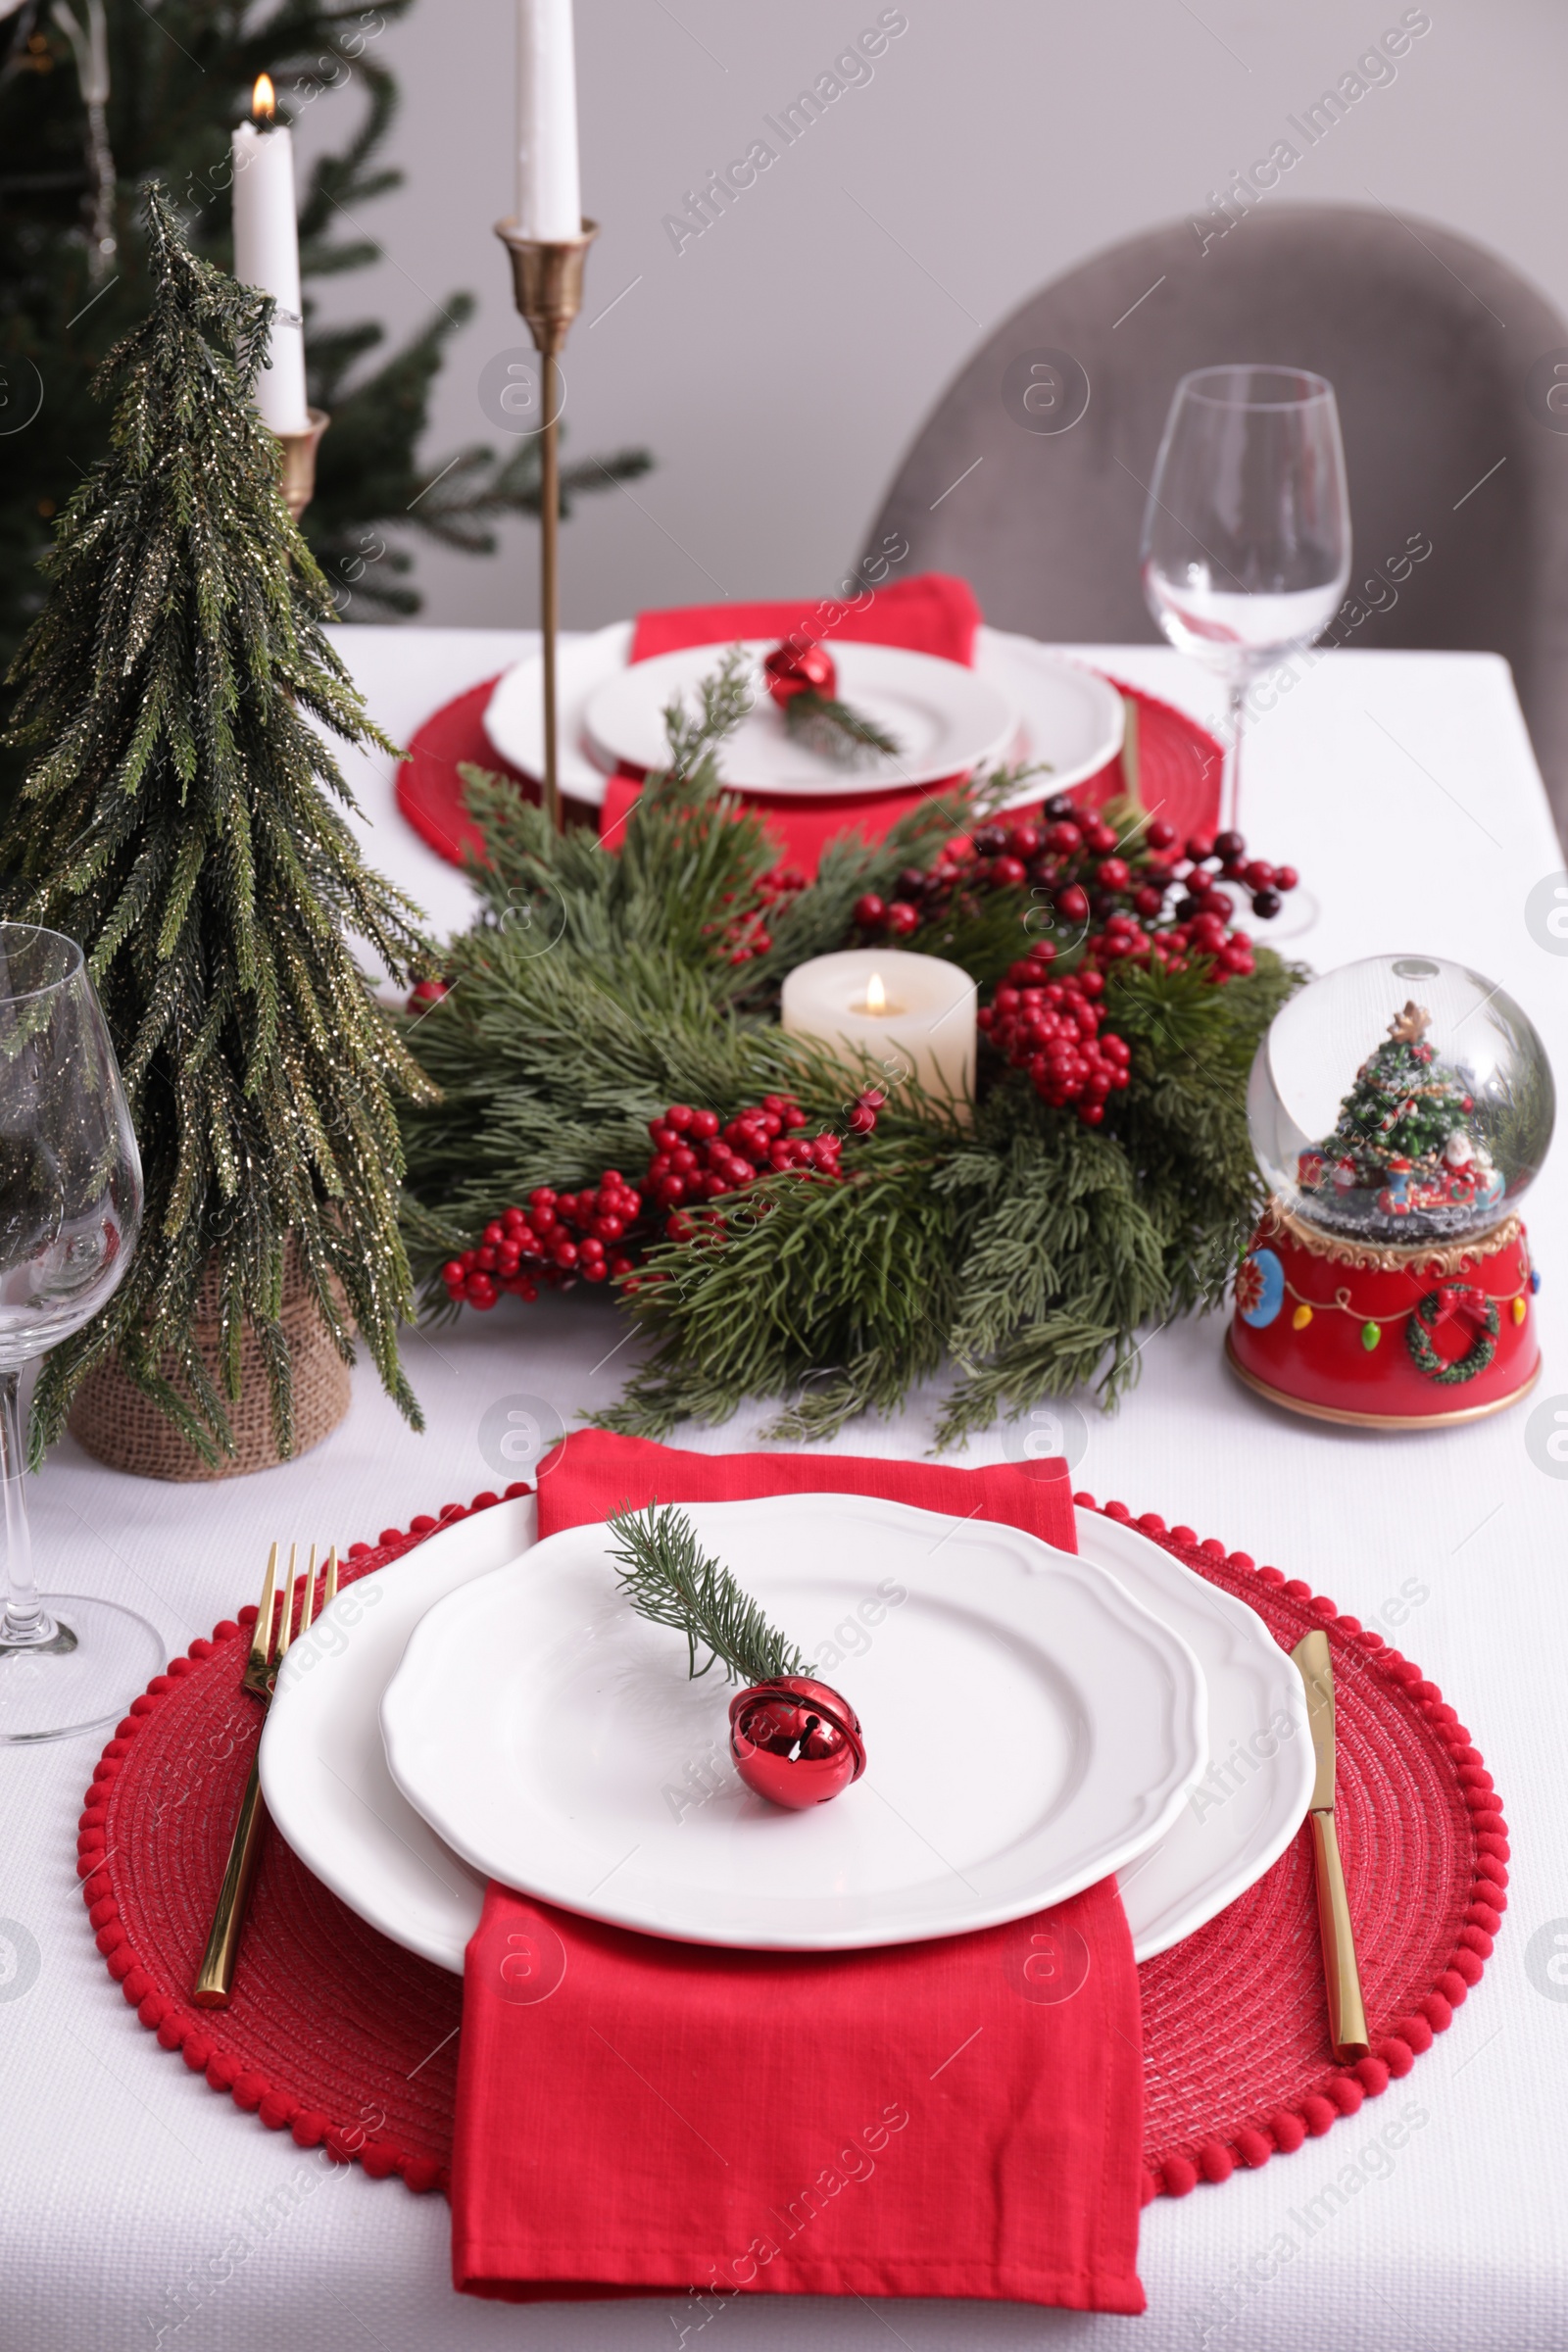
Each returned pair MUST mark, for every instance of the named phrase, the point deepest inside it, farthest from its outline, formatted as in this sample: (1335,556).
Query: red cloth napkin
(935,613)
(931,613)
(955,2117)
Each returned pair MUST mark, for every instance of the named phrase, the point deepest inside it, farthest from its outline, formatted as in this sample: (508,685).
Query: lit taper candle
(548,189)
(266,254)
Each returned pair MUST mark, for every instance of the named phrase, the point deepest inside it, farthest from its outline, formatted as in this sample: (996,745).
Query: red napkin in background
(961,2117)
(931,613)
(934,612)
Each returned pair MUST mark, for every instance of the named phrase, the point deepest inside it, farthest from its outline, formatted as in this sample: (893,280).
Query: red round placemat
(349,2043)
(1179,768)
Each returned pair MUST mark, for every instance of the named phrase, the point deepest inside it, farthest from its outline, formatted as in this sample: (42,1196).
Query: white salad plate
(1029,1729)
(1065,715)
(944,719)
(328,1787)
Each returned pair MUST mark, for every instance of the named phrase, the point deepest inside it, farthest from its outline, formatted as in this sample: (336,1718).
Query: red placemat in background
(346,2041)
(429,789)
(932,612)
(1179,762)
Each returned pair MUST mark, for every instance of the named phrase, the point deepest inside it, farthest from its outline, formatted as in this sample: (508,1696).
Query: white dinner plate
(1068,716)
(945,719)
(326,1778)
(1071,717)
(321,1764)
(1029,1729)
(1257,1775)
(515,716)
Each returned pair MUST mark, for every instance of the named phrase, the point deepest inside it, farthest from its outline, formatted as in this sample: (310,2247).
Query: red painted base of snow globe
(1387,1338)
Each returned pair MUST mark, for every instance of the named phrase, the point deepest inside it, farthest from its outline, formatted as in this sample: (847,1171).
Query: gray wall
(778,363)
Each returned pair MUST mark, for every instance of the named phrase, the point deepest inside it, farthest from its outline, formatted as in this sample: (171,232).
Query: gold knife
(1130,788)
(1347,2017)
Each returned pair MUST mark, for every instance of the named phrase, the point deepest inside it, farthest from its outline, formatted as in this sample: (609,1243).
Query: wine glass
(1246,546)
(69,1207)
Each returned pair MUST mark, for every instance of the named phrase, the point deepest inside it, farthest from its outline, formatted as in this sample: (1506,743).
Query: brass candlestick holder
(299,462)
(547,279)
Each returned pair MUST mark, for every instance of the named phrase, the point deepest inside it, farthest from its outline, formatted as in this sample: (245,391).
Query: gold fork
(214,1977)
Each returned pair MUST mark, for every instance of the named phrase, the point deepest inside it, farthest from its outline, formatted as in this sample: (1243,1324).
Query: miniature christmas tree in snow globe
(1402,1149)
(1445,1122)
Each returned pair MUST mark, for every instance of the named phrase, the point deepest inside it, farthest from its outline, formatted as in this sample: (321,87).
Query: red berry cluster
(558,1237)
(1086,879)
(1266,883)
(426,992)
(696,1159)
(1201,933)
(562,1236)
(746,934)
(1050,1023)
(1051,1028)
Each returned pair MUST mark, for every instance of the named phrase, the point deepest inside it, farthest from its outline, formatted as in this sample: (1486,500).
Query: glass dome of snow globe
(1400,1100)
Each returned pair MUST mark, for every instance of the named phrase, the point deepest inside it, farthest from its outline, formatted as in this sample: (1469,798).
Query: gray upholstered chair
(1442,359)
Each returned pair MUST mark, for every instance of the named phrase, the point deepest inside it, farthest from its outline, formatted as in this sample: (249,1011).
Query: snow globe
(1399,1109)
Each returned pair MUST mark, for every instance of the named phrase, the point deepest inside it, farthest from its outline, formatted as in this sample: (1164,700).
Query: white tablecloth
(138,2208)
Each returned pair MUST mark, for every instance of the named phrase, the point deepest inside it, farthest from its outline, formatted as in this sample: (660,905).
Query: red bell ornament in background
(791,669)
(1399,1108)
(795,1740)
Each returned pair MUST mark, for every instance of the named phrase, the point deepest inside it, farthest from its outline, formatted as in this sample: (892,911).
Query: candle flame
(876,996)
(263,99)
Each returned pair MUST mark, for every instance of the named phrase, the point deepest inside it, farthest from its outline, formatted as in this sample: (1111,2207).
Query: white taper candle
(548,189)
(266,254)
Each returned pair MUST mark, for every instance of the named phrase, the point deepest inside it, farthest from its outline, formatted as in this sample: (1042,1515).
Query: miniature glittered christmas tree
(1402,1160)
(182,819)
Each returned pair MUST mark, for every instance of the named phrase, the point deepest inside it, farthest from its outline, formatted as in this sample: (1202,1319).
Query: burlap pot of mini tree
(122,1426)
(184,818)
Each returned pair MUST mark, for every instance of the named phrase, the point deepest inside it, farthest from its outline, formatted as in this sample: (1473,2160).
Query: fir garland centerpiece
(798,1236)
(182,819)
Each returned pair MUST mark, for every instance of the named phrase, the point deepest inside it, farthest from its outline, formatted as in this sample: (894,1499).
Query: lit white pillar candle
(548,190)
(266,254)
(910,1015)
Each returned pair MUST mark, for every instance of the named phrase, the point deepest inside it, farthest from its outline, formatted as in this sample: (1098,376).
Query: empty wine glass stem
(25,1625)
(1230,798)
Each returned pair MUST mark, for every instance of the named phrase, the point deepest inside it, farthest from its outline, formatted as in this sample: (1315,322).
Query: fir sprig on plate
(693,736)
(670,1581)
(803,679)
(834,730)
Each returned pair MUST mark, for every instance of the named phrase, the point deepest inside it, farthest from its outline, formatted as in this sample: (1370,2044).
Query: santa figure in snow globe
(1390,1281)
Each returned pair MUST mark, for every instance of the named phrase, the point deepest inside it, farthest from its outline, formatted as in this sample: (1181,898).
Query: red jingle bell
(795,1740)
(793,669)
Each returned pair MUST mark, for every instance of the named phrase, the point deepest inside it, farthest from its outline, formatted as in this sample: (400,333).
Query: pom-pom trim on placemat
(198,2035)
(1320,2096)
(1338,2092)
